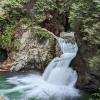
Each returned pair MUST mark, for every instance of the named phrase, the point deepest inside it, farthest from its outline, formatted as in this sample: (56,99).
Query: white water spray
(57,80)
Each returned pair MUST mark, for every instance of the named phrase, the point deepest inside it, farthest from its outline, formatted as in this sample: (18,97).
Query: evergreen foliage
(85,16)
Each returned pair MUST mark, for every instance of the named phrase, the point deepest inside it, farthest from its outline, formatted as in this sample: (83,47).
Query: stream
(56,83)
(16,95)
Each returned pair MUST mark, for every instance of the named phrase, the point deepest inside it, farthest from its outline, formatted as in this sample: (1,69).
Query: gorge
(50,47)
(57,79)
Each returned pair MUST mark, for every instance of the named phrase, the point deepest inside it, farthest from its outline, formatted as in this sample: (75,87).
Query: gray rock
(31,53)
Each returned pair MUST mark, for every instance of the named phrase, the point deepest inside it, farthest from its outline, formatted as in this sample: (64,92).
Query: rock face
(88,78)
(34,52)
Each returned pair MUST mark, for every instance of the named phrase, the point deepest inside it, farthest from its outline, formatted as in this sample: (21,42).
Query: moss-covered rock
(35,50)
(87,65)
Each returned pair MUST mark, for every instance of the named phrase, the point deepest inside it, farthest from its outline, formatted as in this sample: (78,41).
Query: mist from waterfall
(58,79)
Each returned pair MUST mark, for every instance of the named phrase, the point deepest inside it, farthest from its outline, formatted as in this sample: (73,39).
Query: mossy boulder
(35,50)
(87,65)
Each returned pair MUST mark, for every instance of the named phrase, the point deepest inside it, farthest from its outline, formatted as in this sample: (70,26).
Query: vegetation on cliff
(83,15)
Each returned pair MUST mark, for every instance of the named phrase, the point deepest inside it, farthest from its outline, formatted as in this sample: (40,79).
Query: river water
(16,95)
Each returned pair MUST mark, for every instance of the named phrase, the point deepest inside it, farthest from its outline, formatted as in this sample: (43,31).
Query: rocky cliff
(35,51)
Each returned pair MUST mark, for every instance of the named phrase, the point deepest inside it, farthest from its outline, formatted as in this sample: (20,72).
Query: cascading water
(58,71)
(57,81)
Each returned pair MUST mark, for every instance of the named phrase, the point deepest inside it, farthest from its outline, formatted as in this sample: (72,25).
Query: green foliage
(16,45)
(16,3)
(12,12)
(8,7)
(95,96)
(84,16)
(39,18)
(45,6)
(38,31)
(5,40)
(94,61)
(26,20)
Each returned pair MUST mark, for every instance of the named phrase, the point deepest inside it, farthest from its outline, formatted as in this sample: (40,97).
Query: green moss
(94,62)
(16,44)
(84,18)
(5,40)
(39,32)
(39,18)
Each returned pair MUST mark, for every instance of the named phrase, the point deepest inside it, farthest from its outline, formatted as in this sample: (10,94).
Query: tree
(85,16)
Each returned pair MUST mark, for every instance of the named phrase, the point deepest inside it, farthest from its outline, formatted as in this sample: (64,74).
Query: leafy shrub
(38,31)
(8,7)
(6,38)
(94,62)
(84,16)
(45,6)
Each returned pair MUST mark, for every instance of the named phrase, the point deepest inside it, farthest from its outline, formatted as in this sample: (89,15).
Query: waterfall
(57,80)
(58,71)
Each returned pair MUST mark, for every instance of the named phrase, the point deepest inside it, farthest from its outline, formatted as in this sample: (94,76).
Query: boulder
(35,51)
